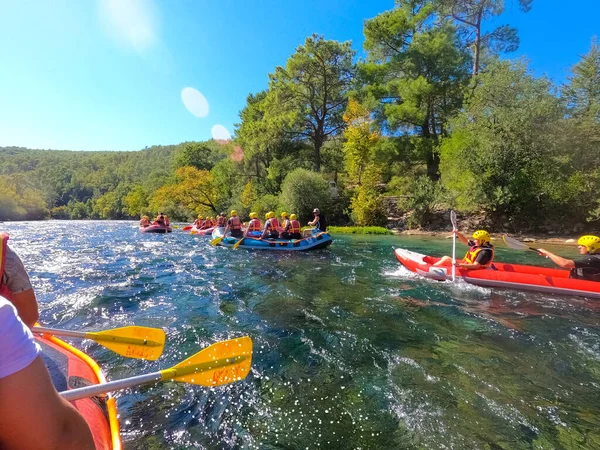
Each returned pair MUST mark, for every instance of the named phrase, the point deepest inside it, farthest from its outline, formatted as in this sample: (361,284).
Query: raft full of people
(160,225)
(284,235)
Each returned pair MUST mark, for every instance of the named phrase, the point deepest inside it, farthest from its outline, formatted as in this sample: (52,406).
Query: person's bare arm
(558,260)
(34,416)
(27,306)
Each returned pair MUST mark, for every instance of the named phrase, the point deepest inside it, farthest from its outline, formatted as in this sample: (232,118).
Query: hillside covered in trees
(436,116)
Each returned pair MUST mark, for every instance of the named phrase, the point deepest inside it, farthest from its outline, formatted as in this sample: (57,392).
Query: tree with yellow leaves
(360,137)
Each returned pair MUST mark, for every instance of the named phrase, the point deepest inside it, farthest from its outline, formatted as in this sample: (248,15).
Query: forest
(434,116)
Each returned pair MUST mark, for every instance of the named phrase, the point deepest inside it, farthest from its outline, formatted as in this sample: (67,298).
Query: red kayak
(156,229)
(503,275)
(202,231)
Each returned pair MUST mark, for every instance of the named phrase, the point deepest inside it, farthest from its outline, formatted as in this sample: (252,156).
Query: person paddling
(234,225)
(15,285)
(271,230)
(480,254)
(145,221)
(586,268)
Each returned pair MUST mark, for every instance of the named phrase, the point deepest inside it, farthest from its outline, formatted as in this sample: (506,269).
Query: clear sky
(125,74)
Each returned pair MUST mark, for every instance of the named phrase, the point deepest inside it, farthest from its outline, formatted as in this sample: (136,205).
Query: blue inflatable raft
(313,242)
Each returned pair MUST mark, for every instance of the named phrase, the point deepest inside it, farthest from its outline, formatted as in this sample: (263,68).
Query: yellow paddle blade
(216,241)
(236,245)
(221,363)
(193,232)
(132,342)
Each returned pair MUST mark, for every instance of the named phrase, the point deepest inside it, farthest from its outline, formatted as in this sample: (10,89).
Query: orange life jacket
(295,226)
(471,255)
(272,224)
(4,292)
(235,223)
(254,225)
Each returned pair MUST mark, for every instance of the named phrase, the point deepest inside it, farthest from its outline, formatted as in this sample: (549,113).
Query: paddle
(454,227)
(518,245)
(216,241)
(221,363)
(187,227)
(237,244)
(131,342)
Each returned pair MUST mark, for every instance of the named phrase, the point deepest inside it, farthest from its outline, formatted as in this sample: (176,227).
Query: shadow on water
(350,350)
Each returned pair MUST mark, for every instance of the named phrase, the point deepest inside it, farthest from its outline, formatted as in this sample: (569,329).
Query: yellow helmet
(200,217)
(293,217)
(267,216)
(253,215)
(482,235)
(270,214)
(284,214)
(233,213)
(591,243)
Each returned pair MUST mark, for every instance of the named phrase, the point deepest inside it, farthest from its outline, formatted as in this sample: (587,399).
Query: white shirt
(18,348)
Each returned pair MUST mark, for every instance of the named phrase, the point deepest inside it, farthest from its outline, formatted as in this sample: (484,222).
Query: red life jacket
(4,292)
(295,226)
(471,255)
(272,224)
(235,223)
(254,225)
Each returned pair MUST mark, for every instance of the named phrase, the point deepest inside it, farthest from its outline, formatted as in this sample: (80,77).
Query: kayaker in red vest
(15,285)
(145,221)
(271,230)
(221,220)
(234,226)
(198,223)
(33,415)
(295,228)
(479,256)
(586,268)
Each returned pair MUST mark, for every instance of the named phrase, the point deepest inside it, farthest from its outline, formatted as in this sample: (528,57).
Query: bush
(367,205)
(265,204)
(302,191)
(424,196)
(358,230)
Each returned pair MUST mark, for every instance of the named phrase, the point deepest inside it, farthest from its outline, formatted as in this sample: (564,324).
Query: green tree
(417,72)
(135,202)
(308,96)
(360,139)
(108,206)
(470,15)
(502,157)
(302,191)
(367,204)
(582,93)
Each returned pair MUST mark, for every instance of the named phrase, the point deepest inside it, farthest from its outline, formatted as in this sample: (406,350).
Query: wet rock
(528,240)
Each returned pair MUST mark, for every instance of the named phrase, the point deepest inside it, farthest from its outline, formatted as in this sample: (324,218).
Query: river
(350,350)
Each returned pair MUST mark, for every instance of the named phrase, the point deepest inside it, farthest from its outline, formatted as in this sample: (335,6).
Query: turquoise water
(350,350)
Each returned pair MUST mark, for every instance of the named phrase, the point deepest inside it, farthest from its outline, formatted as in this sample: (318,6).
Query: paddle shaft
(453,220)
(118,385)
(167,374)
(96,336)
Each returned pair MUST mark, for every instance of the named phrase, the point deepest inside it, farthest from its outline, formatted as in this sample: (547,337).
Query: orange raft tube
(70,368)
(503,275)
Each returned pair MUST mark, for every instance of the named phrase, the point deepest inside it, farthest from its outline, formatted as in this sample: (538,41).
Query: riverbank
(526,237)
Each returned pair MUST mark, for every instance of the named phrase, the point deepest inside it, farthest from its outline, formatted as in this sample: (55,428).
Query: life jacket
(587,273)
(471,255)
(4,292)
(220,221)
(272,224)
(254,225)
(294,226)
(235,223)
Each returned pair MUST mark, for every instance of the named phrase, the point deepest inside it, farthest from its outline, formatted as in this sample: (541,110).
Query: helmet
(284,214)
(253,215)
(591,243)
(270,214)
(233,212)
(482,235)
(200,217)
(293,217)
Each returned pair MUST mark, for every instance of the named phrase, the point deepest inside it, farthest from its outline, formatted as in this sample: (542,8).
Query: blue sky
(109,74)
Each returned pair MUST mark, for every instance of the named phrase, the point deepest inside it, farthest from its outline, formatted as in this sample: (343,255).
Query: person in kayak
(480,254)
(145,221)
(15,285)
(32,413)
(198,223)
(586,268)
(254,224)
(271,230)
(221,220)
(234,225)
(285,226)
(319,222)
